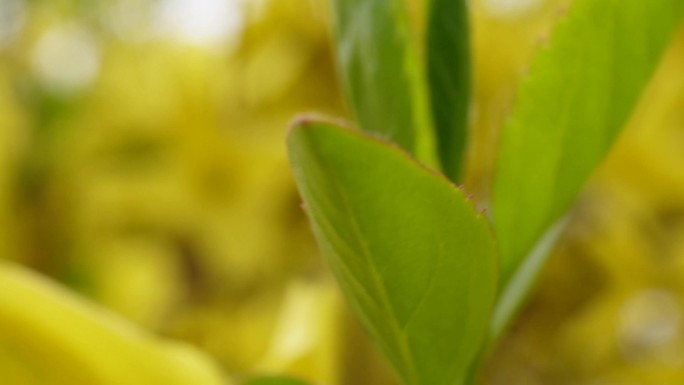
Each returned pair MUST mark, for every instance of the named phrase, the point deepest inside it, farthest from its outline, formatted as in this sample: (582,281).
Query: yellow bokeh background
(143,167)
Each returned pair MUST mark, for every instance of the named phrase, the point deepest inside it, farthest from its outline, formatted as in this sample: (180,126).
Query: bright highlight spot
(201,22)
(650,322)
(66,58)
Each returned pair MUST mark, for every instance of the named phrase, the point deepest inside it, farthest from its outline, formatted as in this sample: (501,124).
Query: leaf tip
(312,119)
(298,121)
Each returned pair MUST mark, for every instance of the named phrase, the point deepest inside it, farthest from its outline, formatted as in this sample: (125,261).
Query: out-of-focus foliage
(448,62)
(570,109)
(381,73)
(151,177)
(613,289)
(608,309)
(56,338)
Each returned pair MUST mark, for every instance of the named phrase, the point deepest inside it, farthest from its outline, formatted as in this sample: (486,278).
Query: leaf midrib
(377,282)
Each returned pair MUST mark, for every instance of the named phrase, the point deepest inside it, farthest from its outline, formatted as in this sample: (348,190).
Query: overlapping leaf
(579,93)
(381,73)
(415,260)
(448,65)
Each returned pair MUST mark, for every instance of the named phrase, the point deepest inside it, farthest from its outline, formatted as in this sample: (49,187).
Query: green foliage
(415,259)
(448,64)
(579,93)
(380,72)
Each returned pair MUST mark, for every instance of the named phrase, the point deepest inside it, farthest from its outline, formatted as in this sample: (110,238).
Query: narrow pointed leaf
(580,91)
(415,260)
(448,64)
(380,72)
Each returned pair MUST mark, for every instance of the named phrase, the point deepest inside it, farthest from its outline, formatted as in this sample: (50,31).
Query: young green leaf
(380,72)
(579,93)
(448,64)
(415,260)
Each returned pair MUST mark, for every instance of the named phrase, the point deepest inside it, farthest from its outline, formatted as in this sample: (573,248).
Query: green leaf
(274,381)
(415,260)
(448,64)
(580,91)
(381,72)
(520,285)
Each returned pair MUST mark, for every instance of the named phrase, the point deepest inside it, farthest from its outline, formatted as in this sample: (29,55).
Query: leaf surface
(415,260)
(381,73)
(580,91)
(448,65)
